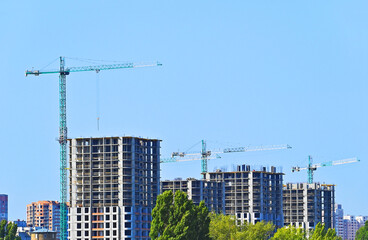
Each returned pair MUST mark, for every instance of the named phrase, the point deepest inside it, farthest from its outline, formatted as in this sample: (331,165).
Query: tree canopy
(177,218)
(8,231)
(290,233)
(223,227)
(319,233)
(362,233)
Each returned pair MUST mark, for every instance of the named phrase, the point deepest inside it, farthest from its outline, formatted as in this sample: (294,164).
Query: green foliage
(362,233)
(177,218)
(290,233)
(258,231)
(320,233)
(2,229)
(8,231)
(224,227)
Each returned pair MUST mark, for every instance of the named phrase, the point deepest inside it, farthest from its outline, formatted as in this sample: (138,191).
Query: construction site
(109,185)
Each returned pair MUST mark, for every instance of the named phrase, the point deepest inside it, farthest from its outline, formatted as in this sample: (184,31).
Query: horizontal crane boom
(205,155)
(313,167)
(93,68)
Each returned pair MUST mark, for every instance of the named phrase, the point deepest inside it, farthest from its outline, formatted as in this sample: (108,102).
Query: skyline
(233,74)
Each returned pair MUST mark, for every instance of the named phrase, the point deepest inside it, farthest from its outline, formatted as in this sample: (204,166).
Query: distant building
(20,223)
(306,204)
(339,220)
(3,207)
(44,214)
(211,192)
(25,232)
(252,195)
(43,234)
(352,225)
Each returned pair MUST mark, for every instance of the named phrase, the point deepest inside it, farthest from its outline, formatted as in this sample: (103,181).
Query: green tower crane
(206,155)
(313,167)
(63,130)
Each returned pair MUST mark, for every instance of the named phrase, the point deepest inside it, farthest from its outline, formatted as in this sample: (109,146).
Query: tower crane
(63,71)
(313,167)
(206,155)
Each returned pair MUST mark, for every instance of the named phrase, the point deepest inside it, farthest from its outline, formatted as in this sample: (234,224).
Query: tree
(290,233)
(362,233)
(320,233)
(8,231)
(177,218)
(259,231)
(225,227)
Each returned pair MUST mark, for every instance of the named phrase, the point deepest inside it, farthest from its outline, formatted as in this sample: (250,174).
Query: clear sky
(234,73)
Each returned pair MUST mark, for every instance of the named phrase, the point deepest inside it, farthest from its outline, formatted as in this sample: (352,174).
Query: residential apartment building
(44,214)
(352,225)
(306,204)
(339,220)
(252,195)
(211,192)
(3,207)
(114,184)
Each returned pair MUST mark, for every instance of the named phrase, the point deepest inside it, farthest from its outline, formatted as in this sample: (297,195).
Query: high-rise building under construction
(252,195)
(306,204)
(114,183)
(211,192)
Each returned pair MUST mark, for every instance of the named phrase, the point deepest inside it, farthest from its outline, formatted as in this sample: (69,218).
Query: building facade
(44,214)
(114,184)
(306,204)
(339,220)
(3,207)
(252,195)
(211,192)
(43,234)
(352,225)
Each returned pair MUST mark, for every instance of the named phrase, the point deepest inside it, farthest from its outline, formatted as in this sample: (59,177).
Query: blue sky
(234,73)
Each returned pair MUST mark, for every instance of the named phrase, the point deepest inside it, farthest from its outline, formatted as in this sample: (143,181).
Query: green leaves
(290,233)
(362,233)
(320,233)
(224,227)
(177,218)
(293,233)
(8,231)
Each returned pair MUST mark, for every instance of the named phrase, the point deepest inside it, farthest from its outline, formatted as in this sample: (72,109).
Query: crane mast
(63,130)
(63,133)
